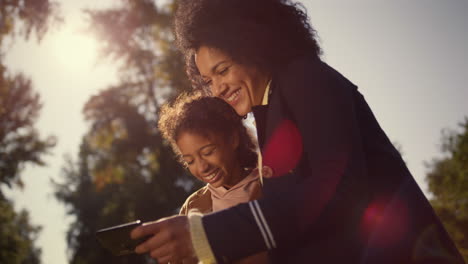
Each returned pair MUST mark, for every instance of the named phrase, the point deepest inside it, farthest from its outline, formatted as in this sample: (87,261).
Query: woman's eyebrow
(207,146)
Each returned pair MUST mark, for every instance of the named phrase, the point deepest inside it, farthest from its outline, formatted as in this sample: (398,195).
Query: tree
(17,236)
(125,171)
(20,142)
(19,104)
(24,17)
(448,182)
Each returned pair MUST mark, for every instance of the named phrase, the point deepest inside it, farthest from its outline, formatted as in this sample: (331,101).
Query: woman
(340,191)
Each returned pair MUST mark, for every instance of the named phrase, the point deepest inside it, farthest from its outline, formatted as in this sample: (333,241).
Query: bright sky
(409,59)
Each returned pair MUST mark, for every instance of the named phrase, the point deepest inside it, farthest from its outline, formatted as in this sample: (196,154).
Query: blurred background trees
(124,170)
(448,182)
(20,143)
(17,236)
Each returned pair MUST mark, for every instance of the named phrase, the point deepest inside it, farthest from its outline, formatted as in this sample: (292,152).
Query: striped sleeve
(262,225)
(259,225)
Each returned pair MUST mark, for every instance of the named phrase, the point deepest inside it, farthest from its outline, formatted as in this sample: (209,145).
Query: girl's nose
(203,166)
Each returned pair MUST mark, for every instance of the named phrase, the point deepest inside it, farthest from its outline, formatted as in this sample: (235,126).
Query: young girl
(211,141)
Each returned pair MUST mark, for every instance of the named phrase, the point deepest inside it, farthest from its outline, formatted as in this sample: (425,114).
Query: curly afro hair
(262,33)
(193,112)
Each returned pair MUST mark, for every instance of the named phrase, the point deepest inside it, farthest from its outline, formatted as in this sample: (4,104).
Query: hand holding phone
(117,238)
(170,239)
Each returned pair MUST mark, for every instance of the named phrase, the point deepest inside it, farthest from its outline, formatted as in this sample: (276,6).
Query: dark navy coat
(341,191)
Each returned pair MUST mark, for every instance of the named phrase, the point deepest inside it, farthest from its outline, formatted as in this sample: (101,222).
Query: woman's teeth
(233,96)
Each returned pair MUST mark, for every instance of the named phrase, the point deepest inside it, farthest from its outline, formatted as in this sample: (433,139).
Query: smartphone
(117,238)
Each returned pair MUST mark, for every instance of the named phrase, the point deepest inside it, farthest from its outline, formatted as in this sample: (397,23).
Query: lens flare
(385,222)
(283,150)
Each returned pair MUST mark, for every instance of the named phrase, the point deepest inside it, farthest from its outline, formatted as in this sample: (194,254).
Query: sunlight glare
(75,49)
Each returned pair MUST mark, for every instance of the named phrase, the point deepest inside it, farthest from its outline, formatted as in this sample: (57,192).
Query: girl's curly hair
(261,33)
(205,116)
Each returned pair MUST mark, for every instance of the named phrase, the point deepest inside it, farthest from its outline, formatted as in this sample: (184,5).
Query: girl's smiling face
(239,85)
(211,159)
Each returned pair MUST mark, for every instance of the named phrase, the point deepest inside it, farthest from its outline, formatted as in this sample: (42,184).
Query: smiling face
(239,85)
(211,159)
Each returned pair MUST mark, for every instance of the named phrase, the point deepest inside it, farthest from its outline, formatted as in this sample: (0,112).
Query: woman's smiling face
(239,85)
(211,159)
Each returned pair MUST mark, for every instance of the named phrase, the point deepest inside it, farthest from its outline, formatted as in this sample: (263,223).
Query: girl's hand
(170,241)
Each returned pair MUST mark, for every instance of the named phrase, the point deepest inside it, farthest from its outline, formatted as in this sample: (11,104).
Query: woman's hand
(170,241)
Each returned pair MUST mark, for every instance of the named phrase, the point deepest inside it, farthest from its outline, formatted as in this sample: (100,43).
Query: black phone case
(117,238)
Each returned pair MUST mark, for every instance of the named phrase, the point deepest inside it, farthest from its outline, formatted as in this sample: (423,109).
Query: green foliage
(17,236)
(26,16)
(20,142)
(19,104)
(125,171)
(448,182)
(139,34)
